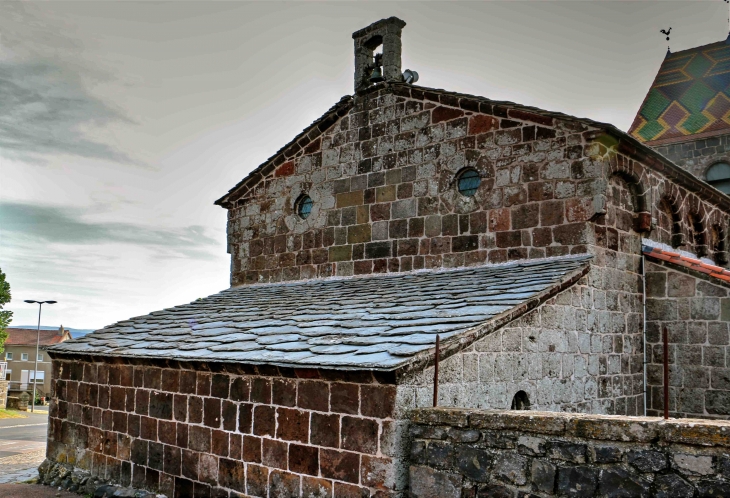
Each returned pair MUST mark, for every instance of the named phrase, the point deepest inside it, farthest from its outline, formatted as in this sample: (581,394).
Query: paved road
(22,446)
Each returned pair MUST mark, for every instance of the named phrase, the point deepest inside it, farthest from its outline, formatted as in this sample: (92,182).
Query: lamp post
(37,344)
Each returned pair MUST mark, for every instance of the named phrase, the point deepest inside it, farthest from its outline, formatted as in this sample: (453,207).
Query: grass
(11,414)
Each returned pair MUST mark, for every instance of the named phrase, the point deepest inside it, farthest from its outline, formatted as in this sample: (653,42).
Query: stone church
(547,253)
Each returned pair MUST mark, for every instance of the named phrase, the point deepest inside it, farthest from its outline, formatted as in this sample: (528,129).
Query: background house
(20,350)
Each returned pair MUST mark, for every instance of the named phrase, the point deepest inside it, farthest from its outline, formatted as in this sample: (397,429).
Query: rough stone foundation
(510,454)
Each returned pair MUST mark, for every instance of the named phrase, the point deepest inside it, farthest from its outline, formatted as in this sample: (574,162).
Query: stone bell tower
(385,32)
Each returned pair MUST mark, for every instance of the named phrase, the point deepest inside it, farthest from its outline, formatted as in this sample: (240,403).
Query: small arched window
(520,401)
(719,177)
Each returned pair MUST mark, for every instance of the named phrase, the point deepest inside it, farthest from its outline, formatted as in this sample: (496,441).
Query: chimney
(385,32)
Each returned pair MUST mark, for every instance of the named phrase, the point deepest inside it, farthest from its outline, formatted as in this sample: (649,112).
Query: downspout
(643,331)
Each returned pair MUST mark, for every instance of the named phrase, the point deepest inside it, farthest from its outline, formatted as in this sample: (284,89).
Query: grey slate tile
(374,322)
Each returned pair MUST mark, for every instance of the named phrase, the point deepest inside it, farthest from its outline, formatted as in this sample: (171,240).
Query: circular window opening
(468,182)
(520,401)
(304,206)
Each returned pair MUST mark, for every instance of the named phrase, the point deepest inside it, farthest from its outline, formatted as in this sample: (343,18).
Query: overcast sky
(121,123)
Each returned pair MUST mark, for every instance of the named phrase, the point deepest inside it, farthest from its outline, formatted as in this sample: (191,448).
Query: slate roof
(28,337)
(690,97)
(374,322)
(665,253)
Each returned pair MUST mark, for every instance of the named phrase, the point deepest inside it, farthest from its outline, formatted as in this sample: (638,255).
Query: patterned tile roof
(690,97)
(663,253)
(375,322)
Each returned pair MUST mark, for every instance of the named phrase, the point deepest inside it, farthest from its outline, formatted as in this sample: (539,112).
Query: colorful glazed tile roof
(659,251)
(689,97)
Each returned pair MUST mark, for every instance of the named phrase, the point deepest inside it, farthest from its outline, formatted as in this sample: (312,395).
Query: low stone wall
(521,454)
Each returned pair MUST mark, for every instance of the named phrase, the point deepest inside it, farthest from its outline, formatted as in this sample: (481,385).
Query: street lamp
(37,344)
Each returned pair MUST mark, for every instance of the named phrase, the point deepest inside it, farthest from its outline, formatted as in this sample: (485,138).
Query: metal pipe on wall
(643,331)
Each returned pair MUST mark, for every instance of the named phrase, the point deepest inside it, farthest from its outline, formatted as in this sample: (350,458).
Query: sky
(122,122)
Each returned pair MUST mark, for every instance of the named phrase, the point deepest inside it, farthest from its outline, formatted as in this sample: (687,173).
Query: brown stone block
(378,472)
(118,398)
(581,209)
(346,199)
(313,486)
(171,380)
(359,434)
(148,428)
(219,443)
(325,430)
(220,384)
(160,405)
(182,435)
(212,412)
(344,398)
(251,451)
(203,383)
(482,124)
(380,212)
(440,113)
(229,415)
(284,392)
(208,469)
(304,459)
(313,395)
(180,407)
(190,461)
(499,220)
(358,233)
(257,480)
(340,253)
(199,438)
(572,234)
(195,409)
(378,401)
(339,465)
(231,474)
(293,425)
(167,432)
(264,420)
(187,381)
(260,390)
(172,460)
(283,484)
(152,377)
(274,453)
(235,446)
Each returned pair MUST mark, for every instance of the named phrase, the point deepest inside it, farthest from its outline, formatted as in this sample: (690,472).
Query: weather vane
(666,33)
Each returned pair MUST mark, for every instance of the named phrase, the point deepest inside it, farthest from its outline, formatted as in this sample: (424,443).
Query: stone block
(616,482)
(578,481)
(605,454)
(429,483)
(569,452)
(511,467)
(647,460)
(473,463)
(542,476)
(672,486)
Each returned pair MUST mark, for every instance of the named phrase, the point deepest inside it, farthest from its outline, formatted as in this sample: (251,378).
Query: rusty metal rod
(436,373)
(666,374)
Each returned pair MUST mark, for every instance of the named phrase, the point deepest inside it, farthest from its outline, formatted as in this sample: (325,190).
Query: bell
(376,76)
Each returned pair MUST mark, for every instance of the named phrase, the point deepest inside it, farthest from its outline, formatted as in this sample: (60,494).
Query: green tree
(5,315)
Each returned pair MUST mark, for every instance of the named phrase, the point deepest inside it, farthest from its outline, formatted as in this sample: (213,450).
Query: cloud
(68,225)
(46,106)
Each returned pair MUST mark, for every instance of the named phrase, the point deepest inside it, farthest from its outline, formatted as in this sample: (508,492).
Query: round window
(469,182)
(304,206)
(719,177)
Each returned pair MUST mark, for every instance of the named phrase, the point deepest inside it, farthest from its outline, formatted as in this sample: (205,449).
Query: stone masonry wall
(566,355)
(696,156)
(382,177)
(459,453)
(186,433)
(695,309)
